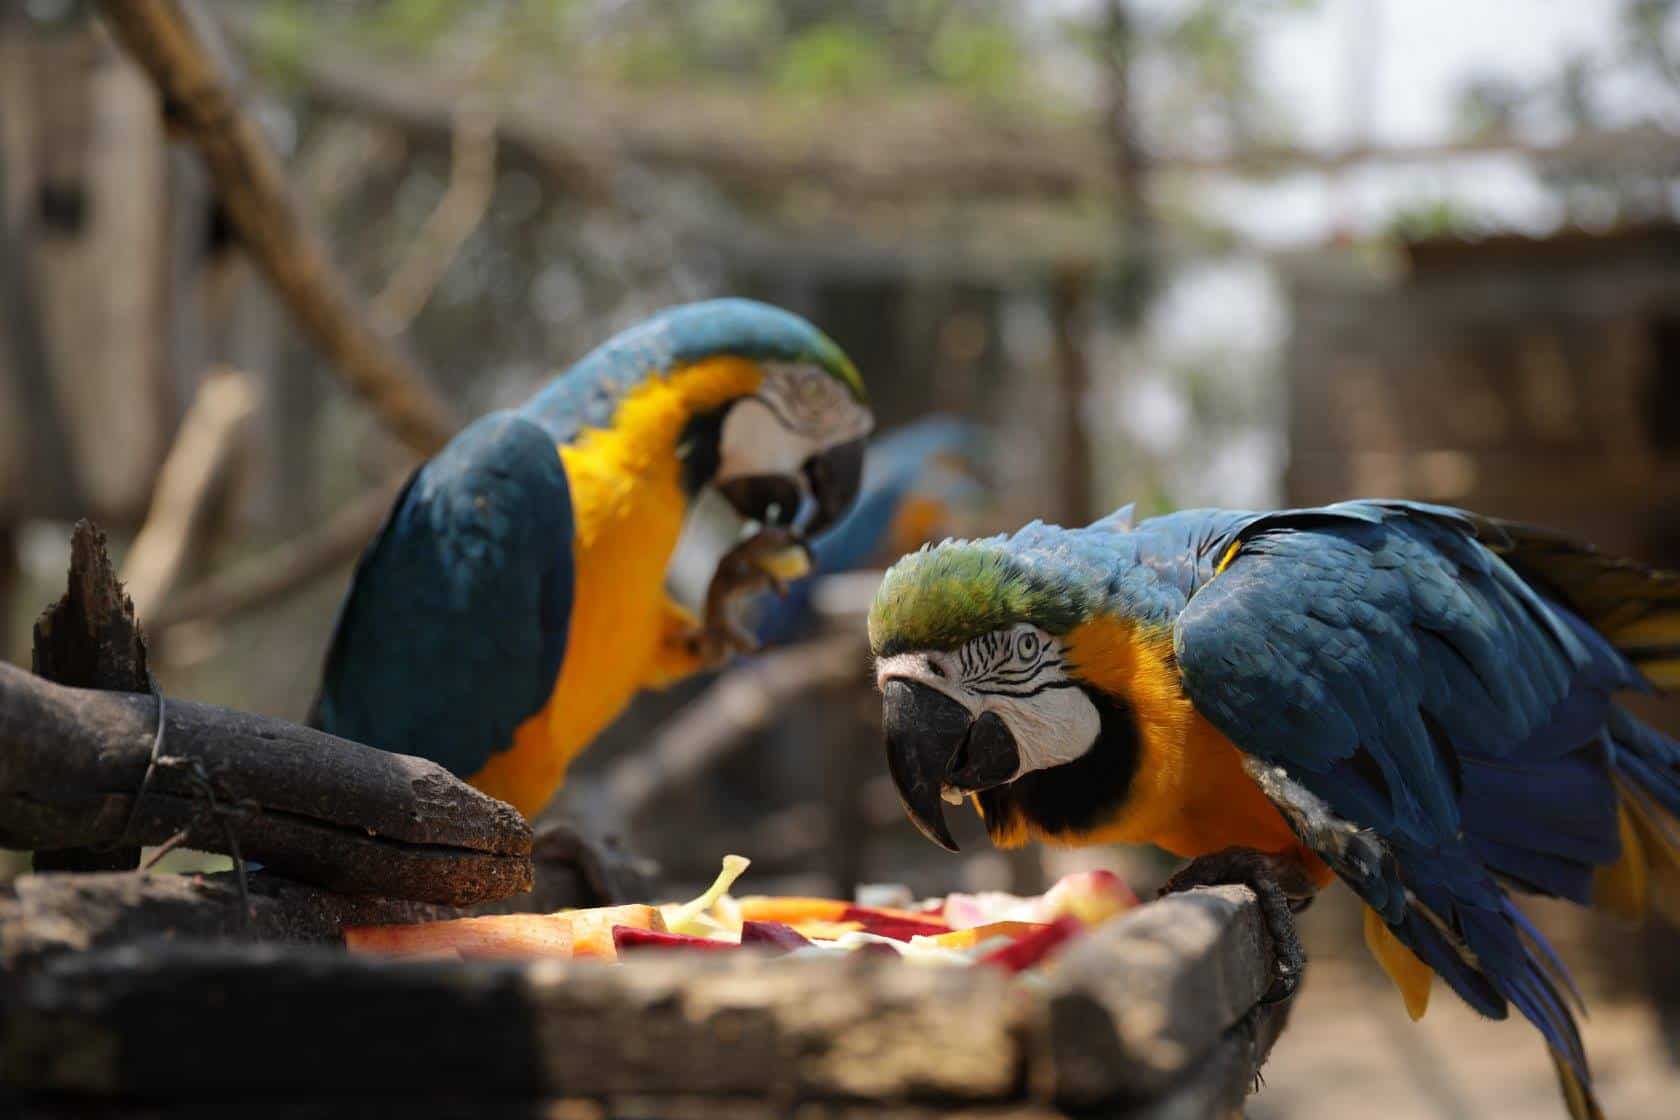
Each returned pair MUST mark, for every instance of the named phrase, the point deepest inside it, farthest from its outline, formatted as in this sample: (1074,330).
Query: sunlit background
(1176,252)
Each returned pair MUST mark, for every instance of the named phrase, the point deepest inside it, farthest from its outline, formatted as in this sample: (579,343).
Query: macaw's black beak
(932,743)
(834,477)
(806,503)
(773,500)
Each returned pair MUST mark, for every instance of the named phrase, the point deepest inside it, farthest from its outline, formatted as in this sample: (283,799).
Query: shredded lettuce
(689,917)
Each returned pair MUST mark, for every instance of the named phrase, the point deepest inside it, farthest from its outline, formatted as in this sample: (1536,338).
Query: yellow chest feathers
(628,506)
(1190,794)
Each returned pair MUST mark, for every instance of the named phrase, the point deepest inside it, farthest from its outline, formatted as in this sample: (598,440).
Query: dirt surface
(1351,1051)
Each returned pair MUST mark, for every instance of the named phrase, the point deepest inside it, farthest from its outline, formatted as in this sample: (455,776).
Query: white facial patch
(798,411)
(1019,674)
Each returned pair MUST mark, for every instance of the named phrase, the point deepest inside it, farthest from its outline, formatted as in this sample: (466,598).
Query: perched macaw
(1414,699)
(917,481)
(513,603)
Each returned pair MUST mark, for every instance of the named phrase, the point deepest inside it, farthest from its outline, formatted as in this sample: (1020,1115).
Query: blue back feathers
(454,628)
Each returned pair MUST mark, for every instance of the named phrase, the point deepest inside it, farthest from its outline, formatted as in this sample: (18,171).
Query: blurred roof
(1570,247)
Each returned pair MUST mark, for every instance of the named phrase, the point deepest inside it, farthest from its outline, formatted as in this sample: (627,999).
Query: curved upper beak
(933,745)
(835,477)
(807,502)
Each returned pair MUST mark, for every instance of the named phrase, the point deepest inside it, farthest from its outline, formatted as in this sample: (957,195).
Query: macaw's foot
(1283,888)
(767,560)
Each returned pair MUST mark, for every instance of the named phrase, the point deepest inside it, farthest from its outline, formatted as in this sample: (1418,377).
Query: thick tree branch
(200,102)
(309,806)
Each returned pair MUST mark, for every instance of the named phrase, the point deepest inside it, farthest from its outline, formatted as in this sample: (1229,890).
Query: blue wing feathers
(480,545)
(1400,670)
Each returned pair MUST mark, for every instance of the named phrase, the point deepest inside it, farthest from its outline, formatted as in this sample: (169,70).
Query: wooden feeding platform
(130,994)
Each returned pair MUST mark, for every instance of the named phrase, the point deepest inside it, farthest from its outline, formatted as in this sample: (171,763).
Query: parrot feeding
(1414,699)
(513,602)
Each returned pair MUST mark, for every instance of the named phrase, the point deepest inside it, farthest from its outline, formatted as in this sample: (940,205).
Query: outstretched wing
(1427,721)
(454,627)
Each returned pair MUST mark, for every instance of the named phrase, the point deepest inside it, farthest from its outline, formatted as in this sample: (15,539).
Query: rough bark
(307,805)
(90,639)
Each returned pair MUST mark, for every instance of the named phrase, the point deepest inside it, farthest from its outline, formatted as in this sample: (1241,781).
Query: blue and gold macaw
(513,602)
(920,483)
(1414,699)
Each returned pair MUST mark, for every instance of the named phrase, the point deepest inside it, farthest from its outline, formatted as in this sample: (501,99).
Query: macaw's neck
(1188,792)
(628,503)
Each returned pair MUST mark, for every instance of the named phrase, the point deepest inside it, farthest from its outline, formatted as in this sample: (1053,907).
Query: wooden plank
(178,1019)
(1147,1018)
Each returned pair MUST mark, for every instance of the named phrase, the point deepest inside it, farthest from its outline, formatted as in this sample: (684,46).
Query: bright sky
(1415,55)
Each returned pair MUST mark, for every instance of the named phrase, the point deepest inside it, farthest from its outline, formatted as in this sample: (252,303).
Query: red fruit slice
(773,935)
(626,938)
(1034,947)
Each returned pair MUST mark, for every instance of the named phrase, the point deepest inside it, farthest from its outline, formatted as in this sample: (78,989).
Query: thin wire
(151,764)
(200,778)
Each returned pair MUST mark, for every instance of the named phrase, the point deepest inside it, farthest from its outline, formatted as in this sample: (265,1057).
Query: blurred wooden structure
(1532,378)
(1152,1015)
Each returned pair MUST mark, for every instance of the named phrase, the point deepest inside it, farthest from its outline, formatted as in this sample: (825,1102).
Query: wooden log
(168,1021)
(306,804)
(89,638)
(200,101)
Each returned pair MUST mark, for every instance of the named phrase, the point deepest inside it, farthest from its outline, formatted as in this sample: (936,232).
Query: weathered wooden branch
(305,804)
(1152,1016)
(196,475)
(264,578)
(89,638)
(201,102)
(741,702)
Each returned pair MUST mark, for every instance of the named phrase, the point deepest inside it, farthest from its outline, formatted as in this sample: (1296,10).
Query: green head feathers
(944,595)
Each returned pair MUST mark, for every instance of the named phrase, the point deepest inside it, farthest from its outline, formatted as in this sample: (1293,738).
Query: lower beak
(932,745)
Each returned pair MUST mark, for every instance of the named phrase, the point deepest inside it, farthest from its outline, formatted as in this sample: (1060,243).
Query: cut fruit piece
(1033,948)
(772,935)
(1091,896)
(974,935)
(592,930)
(628,940)
(498,935)
(791,910)
(681,919)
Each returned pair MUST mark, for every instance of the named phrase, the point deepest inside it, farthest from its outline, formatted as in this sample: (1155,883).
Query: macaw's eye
(1026,646)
